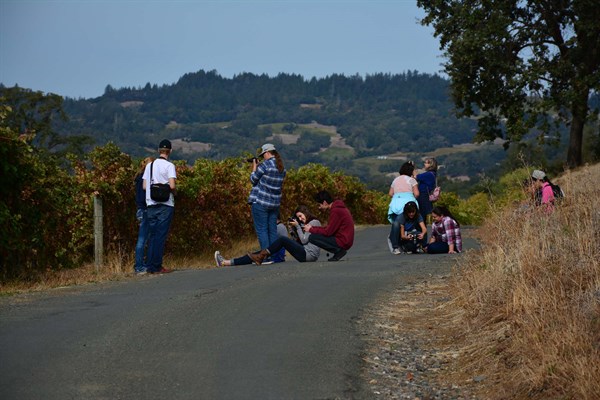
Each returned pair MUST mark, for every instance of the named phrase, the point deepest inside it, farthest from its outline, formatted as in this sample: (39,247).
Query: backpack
(434,195)
(557,191)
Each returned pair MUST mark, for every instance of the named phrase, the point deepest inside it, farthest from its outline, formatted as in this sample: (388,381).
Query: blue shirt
(267,183)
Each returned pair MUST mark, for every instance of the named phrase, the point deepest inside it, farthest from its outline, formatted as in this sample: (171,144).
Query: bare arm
(423,230)
(416,191)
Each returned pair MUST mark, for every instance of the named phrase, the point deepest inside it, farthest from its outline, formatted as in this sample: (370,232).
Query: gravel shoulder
(412,346)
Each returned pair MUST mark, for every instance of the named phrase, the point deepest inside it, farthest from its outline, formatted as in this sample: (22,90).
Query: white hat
(539,175)
(266,147)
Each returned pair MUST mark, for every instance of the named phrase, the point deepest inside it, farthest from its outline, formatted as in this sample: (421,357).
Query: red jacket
(340,225)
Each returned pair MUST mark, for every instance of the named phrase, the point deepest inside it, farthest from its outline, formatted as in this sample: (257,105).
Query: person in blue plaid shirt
(265,197)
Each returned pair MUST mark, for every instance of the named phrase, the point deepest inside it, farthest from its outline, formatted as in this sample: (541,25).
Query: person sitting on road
(338,236)
(299,247)
(445,232)
(413,232)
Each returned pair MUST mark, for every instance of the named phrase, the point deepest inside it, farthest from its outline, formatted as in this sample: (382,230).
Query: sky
(75,48)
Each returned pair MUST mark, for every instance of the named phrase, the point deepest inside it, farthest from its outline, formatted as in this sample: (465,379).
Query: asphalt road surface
(283,331)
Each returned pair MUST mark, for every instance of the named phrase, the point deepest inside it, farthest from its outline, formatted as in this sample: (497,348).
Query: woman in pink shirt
(402,190)
(542,184)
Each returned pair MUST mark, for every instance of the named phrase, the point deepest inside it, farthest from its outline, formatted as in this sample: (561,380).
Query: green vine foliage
(35,206)
(48,215)
(48,211)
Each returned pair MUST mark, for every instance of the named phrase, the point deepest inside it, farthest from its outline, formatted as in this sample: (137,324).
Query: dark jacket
(140,193)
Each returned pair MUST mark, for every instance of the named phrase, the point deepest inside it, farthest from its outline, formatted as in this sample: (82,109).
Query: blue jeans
(159,221)
(438,248)
(410,246)
(265,224)
(395,232)
(282,243)
(141,241)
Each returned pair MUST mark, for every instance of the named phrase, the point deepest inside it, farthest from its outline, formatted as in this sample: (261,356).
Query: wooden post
(98,233)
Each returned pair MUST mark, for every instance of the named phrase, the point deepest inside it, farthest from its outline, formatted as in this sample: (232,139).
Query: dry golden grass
(118,267)
(529,302)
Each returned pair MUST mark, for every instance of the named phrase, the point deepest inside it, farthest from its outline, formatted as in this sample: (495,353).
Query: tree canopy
(521,65)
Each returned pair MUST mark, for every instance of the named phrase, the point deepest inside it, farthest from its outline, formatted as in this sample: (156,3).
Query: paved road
(283,331)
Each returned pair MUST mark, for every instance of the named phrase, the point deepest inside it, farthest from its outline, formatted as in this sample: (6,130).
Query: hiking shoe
(337,256)
(219,260)
(259,257)
(141,272)
(396,251)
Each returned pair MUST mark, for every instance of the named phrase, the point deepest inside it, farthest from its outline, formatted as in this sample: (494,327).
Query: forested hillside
(362,126)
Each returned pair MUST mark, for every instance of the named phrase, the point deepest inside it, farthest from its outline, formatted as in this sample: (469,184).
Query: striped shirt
(267,183)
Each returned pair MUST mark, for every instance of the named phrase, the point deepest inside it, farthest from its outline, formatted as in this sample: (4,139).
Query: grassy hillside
(530,300)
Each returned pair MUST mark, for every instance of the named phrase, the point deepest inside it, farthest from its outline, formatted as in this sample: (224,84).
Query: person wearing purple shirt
(427,182)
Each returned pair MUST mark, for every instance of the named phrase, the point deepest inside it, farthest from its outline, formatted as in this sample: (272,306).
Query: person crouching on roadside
(338,236)
(413,232)
(445,236)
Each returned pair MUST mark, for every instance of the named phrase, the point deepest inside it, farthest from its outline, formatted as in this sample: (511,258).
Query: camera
(413,234)
(293,231)
(294,218)
(251,159)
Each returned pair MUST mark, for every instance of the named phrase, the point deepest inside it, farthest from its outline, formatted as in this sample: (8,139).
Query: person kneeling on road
(338,236)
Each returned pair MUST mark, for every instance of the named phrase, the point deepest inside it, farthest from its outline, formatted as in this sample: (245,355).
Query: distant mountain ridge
(227,117)
(368,112)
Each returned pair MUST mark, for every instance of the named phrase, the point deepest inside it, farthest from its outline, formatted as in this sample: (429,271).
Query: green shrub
(35,206)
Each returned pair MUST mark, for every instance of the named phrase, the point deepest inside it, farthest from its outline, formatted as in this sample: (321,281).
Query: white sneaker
(396,251)
(219,260)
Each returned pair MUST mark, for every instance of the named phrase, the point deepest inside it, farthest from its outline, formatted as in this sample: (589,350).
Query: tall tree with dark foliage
(521,64)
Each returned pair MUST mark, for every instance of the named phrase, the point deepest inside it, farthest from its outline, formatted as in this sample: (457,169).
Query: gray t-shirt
(312,252)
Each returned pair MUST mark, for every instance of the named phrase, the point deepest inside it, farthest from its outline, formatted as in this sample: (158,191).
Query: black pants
(327,243)
(410,246)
